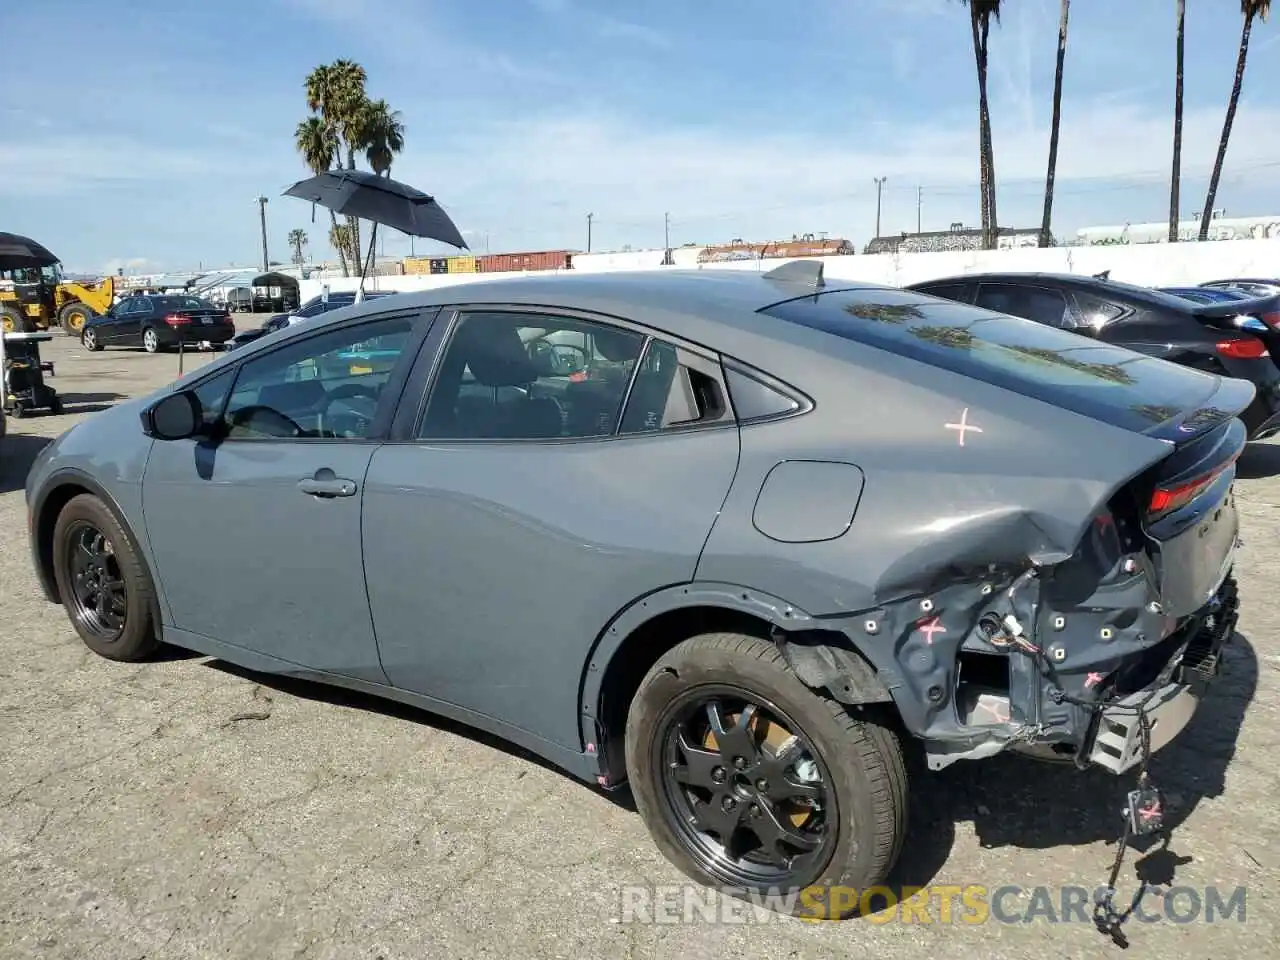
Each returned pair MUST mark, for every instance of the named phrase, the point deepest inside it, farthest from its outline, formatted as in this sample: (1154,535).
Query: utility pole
(919,204)
(666,231)
(262,215)
(879,189)
(590,216)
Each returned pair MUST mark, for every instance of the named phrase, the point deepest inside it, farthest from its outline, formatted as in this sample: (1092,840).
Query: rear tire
(150,340)
(128,633)
(859,818)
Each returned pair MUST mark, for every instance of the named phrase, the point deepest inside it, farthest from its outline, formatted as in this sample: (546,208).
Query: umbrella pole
(368,260)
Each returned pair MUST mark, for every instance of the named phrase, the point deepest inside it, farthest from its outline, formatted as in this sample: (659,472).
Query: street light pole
(589,218)
(262,215)
(879,189)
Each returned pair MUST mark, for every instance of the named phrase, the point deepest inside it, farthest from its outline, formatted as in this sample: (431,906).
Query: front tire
(89,340)
(73,317)
(102,582)
(751,782)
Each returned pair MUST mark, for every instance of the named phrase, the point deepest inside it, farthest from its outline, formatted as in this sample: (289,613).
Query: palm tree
(1175,185)
(340,238)
(336,94)
(1249,9)
(1045,236)
(297,240)
(981,13)
(318,145)
(381,136)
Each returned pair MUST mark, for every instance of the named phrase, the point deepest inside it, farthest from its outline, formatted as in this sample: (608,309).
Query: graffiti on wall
(952,241)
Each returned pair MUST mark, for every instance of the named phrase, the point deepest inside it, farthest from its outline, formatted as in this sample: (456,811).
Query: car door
(515,513)
(129,329)
(256,527)
(108,332)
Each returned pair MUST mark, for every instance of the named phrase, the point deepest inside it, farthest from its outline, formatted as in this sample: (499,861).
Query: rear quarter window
(1101,381)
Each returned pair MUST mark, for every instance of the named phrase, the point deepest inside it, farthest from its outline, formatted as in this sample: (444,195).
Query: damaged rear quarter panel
(941,530)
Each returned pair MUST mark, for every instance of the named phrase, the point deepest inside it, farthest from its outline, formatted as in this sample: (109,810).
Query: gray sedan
(735,539)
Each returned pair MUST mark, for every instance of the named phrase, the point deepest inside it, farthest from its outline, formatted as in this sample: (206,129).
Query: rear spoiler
(1228,400)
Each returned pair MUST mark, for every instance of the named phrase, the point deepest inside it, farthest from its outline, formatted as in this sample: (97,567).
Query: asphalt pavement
(186,808)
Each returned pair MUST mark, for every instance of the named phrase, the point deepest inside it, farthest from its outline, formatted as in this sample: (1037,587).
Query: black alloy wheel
(99,598)
(103,582)
(746,790)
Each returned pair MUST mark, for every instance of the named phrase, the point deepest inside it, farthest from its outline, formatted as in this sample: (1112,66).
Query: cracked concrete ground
(185,808)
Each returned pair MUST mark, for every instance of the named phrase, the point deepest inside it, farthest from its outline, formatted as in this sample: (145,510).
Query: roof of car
(704,292)
(711,307)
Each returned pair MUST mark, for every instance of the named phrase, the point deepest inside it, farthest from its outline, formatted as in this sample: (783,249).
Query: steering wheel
(352,390)
(339,423)
(269,417)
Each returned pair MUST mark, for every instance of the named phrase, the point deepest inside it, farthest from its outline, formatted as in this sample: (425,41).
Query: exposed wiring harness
(1144,812)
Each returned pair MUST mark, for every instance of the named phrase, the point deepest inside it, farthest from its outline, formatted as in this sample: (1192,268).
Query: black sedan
(158,322)
(1216,338)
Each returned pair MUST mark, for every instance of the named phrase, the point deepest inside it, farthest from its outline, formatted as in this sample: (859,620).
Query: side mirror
(178,416)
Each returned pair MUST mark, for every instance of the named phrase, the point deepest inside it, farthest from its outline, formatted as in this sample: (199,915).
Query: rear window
(1101,381)
(181,303)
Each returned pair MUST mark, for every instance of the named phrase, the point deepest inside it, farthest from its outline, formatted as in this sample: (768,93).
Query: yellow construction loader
(37,298)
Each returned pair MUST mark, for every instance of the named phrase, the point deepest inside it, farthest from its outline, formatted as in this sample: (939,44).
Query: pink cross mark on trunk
(1092,680)
(963,426)
(929,628)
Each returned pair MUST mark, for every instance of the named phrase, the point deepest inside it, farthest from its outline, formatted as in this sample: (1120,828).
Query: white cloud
(128,264)
(512,178)
(59,164)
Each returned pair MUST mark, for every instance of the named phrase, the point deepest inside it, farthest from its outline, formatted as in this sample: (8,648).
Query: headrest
(496,355)
(617,345)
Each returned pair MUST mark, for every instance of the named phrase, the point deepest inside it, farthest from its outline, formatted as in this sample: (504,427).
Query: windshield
(1107,383)
(52,274)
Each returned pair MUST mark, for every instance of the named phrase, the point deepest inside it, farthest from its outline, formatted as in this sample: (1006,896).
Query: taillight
(1166,499)
(174,320)
(1245,348)
(1272,320)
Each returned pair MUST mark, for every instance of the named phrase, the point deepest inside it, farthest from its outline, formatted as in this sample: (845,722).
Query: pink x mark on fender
(929,628)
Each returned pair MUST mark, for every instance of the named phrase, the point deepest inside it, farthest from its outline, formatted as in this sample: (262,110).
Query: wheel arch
(60,489)
(647,628)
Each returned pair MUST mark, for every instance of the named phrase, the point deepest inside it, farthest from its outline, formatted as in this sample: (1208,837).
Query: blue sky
(739,119)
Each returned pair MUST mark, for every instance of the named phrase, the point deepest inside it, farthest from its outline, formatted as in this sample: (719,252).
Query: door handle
(328,488)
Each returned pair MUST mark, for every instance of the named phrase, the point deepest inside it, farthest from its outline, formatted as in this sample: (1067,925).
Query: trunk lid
(1184,503)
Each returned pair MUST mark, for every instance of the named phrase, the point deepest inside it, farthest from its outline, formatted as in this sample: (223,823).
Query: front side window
(530,376)
(326,387)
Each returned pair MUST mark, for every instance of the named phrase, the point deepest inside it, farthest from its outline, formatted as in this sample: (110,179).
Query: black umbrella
(17,252)
(366,196)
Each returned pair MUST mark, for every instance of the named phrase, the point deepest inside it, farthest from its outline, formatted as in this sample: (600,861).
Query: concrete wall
(1154,264)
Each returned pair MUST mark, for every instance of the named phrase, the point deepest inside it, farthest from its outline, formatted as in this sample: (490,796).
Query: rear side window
(1032,303)
(1107,383)
(1095,313)
(960,292)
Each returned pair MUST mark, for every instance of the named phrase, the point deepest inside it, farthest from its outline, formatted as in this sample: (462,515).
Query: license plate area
(1196,550)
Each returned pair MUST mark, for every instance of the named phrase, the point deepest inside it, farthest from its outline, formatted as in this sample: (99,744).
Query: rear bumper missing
(1117,740)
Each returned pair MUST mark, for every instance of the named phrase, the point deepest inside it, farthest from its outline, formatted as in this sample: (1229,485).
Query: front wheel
(73,317)
(89,339)
(751,782)
(101,581)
